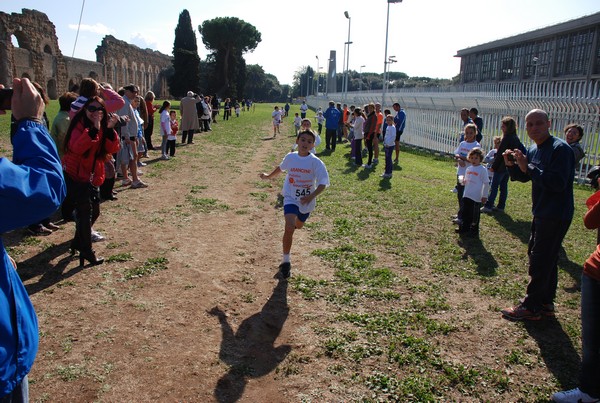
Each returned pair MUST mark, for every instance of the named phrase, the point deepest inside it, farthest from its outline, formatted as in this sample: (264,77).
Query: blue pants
(590,335)
(388,159)
(499,181)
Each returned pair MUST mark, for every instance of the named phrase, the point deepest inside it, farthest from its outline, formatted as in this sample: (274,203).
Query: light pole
(360,75)
(347,56)
(327,77)
(318,75)
(307,81)
(535,63)
(385,59)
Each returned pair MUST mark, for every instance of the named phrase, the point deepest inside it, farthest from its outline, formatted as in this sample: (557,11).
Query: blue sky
(424,35)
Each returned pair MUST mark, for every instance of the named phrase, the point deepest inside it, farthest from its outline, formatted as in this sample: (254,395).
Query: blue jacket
(31,189)
(551,170)
(332,117)
(400,120)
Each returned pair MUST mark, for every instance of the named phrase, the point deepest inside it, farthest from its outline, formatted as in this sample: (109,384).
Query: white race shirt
(304,174)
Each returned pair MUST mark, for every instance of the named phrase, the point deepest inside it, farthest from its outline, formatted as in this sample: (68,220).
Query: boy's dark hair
(88,88)
(309,132)
(475,111)
(66,99)
(476,151)
(576,127)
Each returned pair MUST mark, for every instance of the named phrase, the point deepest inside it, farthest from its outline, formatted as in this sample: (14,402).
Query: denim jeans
(388,159)
(590,335)
(20,394)
(544,245)
(500,180)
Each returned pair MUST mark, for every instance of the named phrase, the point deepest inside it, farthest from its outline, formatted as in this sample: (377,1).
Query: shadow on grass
(573,269)
(50,274)
(251,351)
(484,260)
(268,138)
(521,229)
(556,349)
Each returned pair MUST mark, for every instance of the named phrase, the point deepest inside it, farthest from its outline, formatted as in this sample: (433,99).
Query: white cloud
(143,40)
(97,28)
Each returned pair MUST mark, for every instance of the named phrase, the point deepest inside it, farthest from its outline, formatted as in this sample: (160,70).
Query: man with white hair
(189,117)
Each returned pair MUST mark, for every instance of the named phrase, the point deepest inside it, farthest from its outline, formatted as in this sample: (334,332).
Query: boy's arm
(275,172)
(318,191)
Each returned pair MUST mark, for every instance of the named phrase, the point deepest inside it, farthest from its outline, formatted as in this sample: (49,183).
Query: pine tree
(186,62)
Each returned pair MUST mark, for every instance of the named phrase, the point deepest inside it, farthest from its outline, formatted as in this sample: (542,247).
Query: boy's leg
(288,233)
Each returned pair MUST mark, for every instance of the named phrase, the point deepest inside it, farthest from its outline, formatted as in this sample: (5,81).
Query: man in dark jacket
(549,165)
(332,117)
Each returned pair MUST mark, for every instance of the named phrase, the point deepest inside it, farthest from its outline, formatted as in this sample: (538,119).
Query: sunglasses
(92,108)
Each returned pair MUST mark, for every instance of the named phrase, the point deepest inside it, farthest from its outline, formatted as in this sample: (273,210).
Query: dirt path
(215,326)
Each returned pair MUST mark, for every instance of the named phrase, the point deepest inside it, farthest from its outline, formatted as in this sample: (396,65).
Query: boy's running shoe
(285,269)
(520,312)
(573,396)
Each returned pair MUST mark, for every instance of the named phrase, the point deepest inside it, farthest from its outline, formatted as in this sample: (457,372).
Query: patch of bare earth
(214,326)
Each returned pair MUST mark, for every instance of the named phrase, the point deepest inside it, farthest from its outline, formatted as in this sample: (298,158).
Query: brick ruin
(39,58)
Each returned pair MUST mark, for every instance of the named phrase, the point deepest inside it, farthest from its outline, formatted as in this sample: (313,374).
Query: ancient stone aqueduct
(39,58)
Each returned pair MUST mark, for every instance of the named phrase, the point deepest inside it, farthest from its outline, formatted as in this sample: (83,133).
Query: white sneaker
(573,396)
(367,166)
(457,221)
(97,237)
(486,210)
(164,157)
(454,190)
(138,184)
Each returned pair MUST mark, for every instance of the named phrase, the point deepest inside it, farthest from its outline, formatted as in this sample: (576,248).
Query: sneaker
(141,164)
(139,172)
(396,161)
(285,269)
(454,190)
(52,226)
(39,230)
(138,184)
(97,237)
(164,157)
(126,182)
(548,310)
(520,312)
(457,221)
(375,161)
(573,396)
(367,166)
(387,176)
(486,210)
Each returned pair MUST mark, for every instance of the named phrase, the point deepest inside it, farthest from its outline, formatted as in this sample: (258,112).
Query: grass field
(412,309)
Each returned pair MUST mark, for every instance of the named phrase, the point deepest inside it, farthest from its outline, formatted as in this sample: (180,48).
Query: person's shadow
(484,260)
(557,350)
(251,351)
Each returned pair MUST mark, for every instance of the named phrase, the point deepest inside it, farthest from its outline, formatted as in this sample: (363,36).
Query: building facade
(563,52)
(39,58)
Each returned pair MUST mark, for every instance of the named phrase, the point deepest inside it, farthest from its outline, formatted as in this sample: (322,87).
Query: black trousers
(82,203)
(187,134)
(148,133)
(543,249)
(470,215)
(330,138)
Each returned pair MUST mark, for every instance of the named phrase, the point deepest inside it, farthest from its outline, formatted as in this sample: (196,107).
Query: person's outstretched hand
(27,103)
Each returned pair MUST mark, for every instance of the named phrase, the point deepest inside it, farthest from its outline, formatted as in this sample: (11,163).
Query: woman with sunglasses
(90,140)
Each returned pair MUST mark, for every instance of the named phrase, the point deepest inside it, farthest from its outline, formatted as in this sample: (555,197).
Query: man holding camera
(549,164)
(32,187)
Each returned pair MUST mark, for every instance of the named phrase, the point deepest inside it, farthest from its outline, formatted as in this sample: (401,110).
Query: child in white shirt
(460,154)
(297,123)
(389,145)
(476,188)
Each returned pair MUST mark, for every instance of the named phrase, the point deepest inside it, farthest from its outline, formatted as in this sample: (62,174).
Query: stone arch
(124,72)
(51,89)
(72,85)
(149,80)
(21,40)
(46,47)
(143,82)
(134,73)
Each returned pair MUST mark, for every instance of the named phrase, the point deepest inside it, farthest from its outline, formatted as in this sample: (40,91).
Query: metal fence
(433,117)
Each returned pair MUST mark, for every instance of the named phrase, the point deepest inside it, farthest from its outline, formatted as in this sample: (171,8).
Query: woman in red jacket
(90,140)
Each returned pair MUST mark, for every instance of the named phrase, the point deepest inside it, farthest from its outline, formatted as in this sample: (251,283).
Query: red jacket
(82,151)
(591,220)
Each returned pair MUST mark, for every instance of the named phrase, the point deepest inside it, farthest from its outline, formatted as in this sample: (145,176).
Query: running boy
(306,178)
(476,188)
(297,124)
(276,115)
